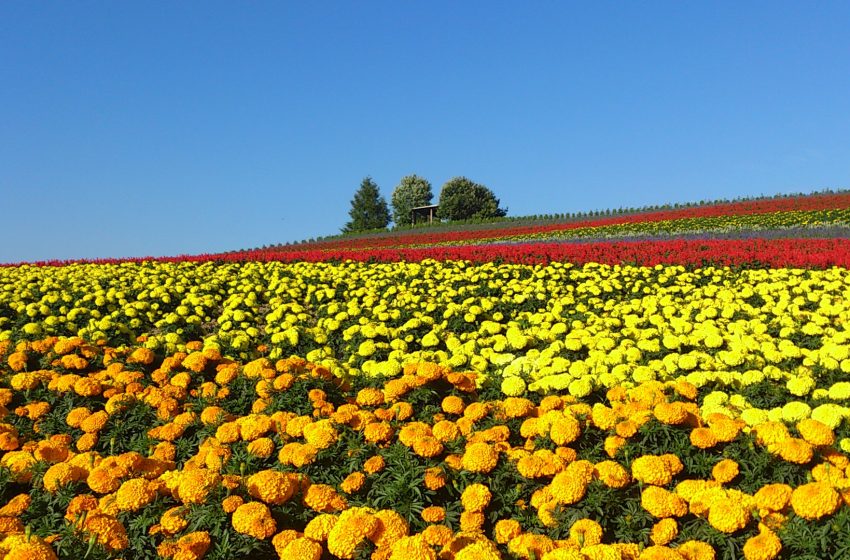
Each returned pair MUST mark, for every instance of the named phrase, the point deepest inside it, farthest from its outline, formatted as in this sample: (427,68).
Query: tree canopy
(463,199)
(412,191)
(368,209)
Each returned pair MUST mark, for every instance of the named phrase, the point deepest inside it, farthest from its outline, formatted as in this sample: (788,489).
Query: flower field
(440,396)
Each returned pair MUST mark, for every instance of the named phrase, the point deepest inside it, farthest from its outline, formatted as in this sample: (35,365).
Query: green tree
(368,209)
(462,199)
(413,191)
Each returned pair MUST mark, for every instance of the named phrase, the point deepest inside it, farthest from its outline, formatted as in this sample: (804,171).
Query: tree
(462,199)
(368,209)
(413,191)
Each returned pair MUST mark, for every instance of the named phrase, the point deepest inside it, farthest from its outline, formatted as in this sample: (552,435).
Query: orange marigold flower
(194,485)
(433,514)
(664,531)
(427,446)
(728,516)
(353,482)
(795,450)
(135,494)
(231,503)
(586,532)
(320,527)
(480,458)
(272,487)
(530,545)
(815,500)
(670,413)
(471,521)
(437,535)
(353,527)
(703,438)
(378,432)
(453,405)
(773,497)
(475,497)
(254,519)
(435,478)
(696,550)
(764,546)
(505,530)
(652,469)
(374,464)
(565,430)
(612,474)
(321,434)
(323,498)
(262,447)
(613,444)
(446,430)
(173,520)
(725,471)
(517,407)
(662,503)
(16,506)
(390,528)
(301,549)
(61,474)
(370,396)
(414,547)
(815,432)
(27,547)
(108,531)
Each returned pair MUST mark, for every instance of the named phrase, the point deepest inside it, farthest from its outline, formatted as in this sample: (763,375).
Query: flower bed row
(115,452)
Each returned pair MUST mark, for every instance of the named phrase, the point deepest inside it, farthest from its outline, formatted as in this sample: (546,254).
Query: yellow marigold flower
(773,497)
(323,498)
(413,431)
(353,482)
(600,552)
(196,484)
(703,438)
(505,530)
(612,474)
(725,471)
(374,464)
(764,546)
(570,485)
(135,494)
(27,547)
(664,531)
(586,532)
(696,550)
(391,527)
(543,463)
(662,503)
(272,487)
(480,458)
(320,527)
(613,444)
(103,480)
(816,433)
(433,514)
(481,549)
(475,497)
(771,433)
(728,516)
(652,469)
(413,548)
(564,553)
(254,519)
(353,527)
(815,500)
(530,545)
(795,450)
(725,429)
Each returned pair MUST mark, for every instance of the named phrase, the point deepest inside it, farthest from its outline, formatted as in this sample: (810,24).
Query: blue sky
(164,128)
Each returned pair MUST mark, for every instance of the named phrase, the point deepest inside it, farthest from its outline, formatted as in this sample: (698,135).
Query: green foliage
(463,199)
(413,191)
(368,208)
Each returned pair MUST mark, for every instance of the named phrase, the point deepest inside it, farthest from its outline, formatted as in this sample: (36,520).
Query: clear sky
(164,128)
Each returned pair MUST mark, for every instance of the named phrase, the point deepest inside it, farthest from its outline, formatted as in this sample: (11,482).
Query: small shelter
(424,213)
